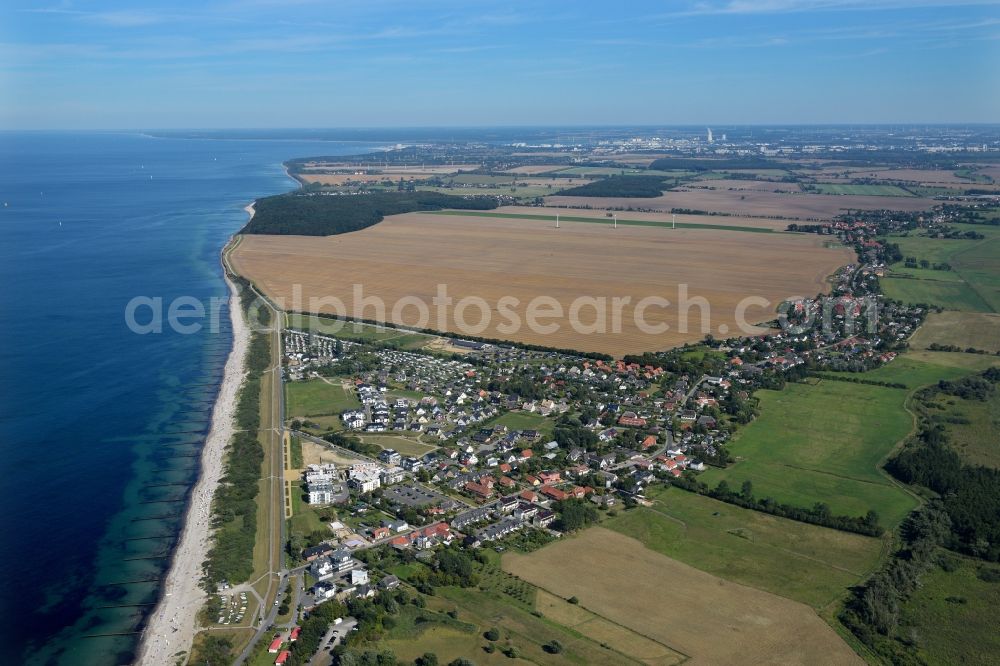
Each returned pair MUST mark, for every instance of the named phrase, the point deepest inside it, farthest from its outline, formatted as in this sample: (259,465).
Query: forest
(326,215)
(619,186)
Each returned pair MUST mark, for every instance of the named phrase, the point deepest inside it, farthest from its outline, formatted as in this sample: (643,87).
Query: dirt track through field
(490,258)
(711,619)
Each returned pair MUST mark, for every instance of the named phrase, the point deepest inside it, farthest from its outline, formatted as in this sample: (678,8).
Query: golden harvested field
(602,630)
(486,257)
(710,619)
(764,204)
(980,330)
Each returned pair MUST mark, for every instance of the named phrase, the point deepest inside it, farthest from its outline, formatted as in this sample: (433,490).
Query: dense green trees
(575,514)
(619,186)
(971,494)
(873,612)
(326,215)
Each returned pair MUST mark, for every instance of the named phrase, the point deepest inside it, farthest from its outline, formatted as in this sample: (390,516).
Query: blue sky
(342,63)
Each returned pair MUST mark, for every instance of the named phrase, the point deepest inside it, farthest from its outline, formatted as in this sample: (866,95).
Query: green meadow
(803,562)
(824,442)
(972,284)
(952,616)
(315,397)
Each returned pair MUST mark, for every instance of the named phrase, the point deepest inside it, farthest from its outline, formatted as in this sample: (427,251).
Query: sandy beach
(173,624)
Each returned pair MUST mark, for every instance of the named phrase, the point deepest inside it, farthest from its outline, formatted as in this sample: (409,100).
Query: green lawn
(526,421)
(803,562)
(874,190)
(952,616)
(315,397)
(824,443)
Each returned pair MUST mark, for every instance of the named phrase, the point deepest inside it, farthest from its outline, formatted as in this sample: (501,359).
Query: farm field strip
(806,563)
(712,620)
(490,258)
(979,330)
(603,220)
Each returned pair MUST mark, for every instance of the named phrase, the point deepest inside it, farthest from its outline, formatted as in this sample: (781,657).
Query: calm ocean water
(100,428)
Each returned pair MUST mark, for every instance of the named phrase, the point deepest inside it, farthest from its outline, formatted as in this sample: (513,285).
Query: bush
(492,634)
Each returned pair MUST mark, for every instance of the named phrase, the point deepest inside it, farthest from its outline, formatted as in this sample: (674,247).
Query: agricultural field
(979,330)
(750,203)
(746,185)
(972,284)
(868,190)
(934,176)
(317,397)
(824,442)
(952,615)
(619,171)
(702,616)
(806,563)
(491,258)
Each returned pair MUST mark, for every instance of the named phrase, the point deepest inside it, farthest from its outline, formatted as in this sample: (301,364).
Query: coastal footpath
(172,625)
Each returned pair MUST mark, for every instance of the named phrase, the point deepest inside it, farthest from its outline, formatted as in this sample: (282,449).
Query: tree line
(873,612)
(819,514)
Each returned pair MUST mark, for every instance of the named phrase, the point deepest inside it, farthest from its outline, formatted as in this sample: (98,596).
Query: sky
(107,64)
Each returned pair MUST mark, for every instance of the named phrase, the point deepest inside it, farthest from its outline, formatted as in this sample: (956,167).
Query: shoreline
(173,624)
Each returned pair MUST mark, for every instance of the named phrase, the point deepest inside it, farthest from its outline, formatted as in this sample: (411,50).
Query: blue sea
(100,427)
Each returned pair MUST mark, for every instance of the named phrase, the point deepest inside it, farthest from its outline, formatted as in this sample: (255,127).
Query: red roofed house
(526,454)
(275,646)
(282,658)
(631,420)
(294,636)
(554,493)
(505,468)
(479,489)
(549,477)
(649,442)
(529,495)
